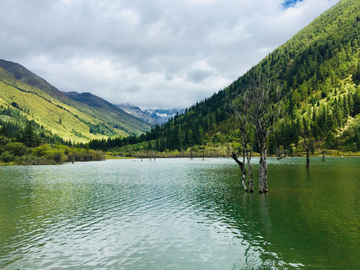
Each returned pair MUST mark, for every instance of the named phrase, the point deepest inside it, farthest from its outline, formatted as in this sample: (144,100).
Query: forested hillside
(320,72)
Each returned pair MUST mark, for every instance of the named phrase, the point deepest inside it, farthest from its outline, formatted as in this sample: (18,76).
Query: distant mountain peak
(157,116)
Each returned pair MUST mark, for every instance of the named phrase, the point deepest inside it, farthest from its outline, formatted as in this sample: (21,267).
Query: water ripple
(168,214)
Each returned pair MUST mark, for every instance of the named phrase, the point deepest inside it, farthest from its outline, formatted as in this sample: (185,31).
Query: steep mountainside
(101,106)
(83,120)
(92,100)
(25,76)
(137,112)
(318,68)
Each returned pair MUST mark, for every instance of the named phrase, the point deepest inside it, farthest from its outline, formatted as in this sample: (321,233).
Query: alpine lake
(180,214)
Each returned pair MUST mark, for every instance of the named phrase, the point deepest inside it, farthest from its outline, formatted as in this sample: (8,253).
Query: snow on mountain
(150,116)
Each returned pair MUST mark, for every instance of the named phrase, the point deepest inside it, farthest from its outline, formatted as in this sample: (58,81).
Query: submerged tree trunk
(243,178)
(263,170)
(251,183)
(248,154)
(308,141)
(243,171)
(307,158)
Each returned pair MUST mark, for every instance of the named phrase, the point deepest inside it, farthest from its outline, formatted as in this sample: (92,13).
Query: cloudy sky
(151,53)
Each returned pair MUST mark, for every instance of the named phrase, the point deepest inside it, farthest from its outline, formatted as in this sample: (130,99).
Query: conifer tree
(157,146)
(356,74)
(29,134)
(345,108)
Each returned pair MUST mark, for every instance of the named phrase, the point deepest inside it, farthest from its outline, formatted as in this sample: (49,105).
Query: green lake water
(180,214)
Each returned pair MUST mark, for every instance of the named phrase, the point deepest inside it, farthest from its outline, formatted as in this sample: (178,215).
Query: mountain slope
(92,100)
(39,101)
(25,76)
(318,68)
(137,112)
(110,112)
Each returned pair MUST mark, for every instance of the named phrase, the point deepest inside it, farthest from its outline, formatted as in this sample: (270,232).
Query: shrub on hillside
(7,157)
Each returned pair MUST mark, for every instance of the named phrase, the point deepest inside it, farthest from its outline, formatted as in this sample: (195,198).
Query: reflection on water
(179,214)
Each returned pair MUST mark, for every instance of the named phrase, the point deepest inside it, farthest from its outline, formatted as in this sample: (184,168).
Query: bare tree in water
(237,109)
(263,102)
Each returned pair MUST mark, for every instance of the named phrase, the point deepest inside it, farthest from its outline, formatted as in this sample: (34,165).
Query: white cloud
(154,54)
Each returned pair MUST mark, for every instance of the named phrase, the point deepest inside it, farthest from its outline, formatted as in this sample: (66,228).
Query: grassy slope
(42,108)
(109,113)
(76,117)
